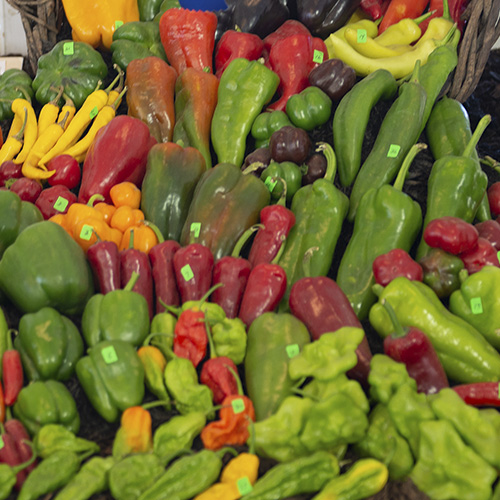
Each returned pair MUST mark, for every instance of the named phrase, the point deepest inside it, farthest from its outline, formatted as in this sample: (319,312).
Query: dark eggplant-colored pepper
(290,144)
(316,166)
(334,77)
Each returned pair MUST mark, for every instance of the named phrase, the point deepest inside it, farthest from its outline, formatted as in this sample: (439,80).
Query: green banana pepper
(136,40)
(266,124)
(14,83)
(386,218)
(226,202)
(46,402)
(270,339)
(365,478)
(91,479)
(118,315)
(76,66)
(320,209)
(448,468)
(133,475)
(245,88)
(309,109)
(55,437)
(15,216)
(465,354)
(291,174)
(45,266)
(49,344)
(478,302)
(230,339)
(112,377)
(172,173)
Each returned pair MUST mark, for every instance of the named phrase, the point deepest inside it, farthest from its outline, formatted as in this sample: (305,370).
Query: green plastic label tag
(109,354)
(498,256)
(93,112)
(270,183)
(86,232)
(292,350)
(362,36)
(244,486)
(2,444)
(195,229)
(187,272)
(68,48)
(238,405)
(318,56)
(394,150)
(476,305)
(61,204)
(118,24)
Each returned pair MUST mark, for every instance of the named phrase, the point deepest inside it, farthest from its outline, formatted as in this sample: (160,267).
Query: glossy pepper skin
(172,173)
(334,78)
(215,374)
(195,102)
(451,234)
(13,83)
(190,336)
(101,169)
(266,124)
(103,257)
(59,277)
(245,88)
(394,263)
(483,254)
(267,359)
(150,86)
(417,305)
(291,176)
(50,345)
(309,109)
(112,377)
(226,203)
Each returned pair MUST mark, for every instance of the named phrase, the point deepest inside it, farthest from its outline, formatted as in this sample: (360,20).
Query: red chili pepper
(451,234)
(2,405)
(193,267)
(234,44)
(489,230)
(394,263)
(104,260)
(413,348)
(373,8)
(479,393)
(190,336)
(483,254)
(494,198)
(55,200)
(323,307)
(401,9)
(12,375)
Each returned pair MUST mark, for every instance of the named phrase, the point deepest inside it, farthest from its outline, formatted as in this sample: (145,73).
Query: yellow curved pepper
(369,47)
(405,31)
(94,21)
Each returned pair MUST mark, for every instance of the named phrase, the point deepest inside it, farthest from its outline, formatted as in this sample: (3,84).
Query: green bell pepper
(448,468)
(271,337)
(148,9)
(118,315)
(465,354)
(172,173)
(386,218)
(49,344)
(76,66)
(266,124)
(226,202)
(46,402)
(309,109)
(133,475)
(291,174)
(14,83)
(478,302)
(164,6)
(112,377)
(136,40)
(245,88)
(15,216)
(230,339)
(46,267)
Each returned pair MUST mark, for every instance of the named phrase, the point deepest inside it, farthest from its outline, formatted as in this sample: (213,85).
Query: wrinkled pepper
(154,363)
(394,263)
(135,434)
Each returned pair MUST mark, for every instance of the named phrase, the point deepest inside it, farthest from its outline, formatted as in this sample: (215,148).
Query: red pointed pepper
(451,234)
(104,260)
(12,373)
(401,9)
(480,393)
(397,262)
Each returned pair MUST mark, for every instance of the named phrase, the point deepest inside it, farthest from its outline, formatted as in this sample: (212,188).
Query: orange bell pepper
(144,238)
(125,216)
(106,209)
(88,230)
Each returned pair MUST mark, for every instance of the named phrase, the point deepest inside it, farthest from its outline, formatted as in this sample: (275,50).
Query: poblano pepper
(50,345)
(309,109)
(386,218)
(245,88)
(465,354)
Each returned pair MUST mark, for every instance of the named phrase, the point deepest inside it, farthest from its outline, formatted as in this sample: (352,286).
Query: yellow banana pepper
(94,21)
(369,47)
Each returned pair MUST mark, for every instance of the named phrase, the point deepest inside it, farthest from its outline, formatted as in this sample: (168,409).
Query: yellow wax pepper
(49,113)
(14,141)
(30,128)
(94,21)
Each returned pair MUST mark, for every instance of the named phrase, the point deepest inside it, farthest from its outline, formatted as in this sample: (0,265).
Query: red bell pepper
(55,200)
(483,254)
(413,348)
(480,393)
(104,260)
(188,37)
(394,263)
(451,234)
(490,230)
(68,171)
(401,9)
(190,336)
(118,153)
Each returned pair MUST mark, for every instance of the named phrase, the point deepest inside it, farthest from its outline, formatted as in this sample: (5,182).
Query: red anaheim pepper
(190,336)
(12,373)
(480,393)
(483,254)
(489,230)
(451,234)
(397,262)
(401,9)
(188,37)
(413,348)
(104,260)
(55,200)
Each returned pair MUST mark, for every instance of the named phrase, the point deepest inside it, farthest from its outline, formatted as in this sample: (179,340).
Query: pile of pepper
(211,287)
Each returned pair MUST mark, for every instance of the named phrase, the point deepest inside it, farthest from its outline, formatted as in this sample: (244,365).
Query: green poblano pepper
(230,339)
(449,469)
(14,83)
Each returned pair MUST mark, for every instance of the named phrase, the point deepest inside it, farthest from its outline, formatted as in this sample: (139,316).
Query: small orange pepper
(144,238)
(79,211)
(135,434)
(106,209)
(87,230)
(125,216)
(115,235)
(125,193)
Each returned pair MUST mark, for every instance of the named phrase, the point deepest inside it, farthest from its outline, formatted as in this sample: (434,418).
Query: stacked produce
(179,260)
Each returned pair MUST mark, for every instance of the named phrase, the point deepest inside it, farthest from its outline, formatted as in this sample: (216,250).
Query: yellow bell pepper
(94,21)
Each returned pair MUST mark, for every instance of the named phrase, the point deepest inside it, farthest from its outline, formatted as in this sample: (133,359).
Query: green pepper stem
(239,385)
(155,229)
(112,84)
(282,199)
(131,240)
(415,74)
(377,289)
(331,160)
(116,102)
(227,449)
(491,162)
(93,199)
(253,167)
(448,37)
(399,331)
(403,172)
(20,467)
(209,292)
(213,351)
(446,10)
(279,253)
(481,127)
(306,261)
(10,331)
(132,281)
(244,238)
(423,17)
(19,136)
(147,340)
(155,404)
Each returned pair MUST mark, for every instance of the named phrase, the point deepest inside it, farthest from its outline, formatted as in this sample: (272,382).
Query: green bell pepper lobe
(309,109)
(14,84)
(266,124)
